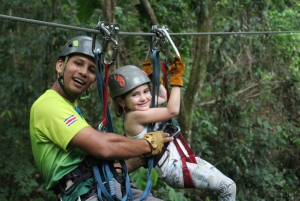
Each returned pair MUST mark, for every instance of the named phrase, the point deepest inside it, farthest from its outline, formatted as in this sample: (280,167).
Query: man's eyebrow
(90,65)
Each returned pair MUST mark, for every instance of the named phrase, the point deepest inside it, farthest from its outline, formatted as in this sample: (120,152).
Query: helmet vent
(120,79)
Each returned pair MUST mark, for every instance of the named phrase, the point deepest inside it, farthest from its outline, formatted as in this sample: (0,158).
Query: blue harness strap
(155,90)
(105,171)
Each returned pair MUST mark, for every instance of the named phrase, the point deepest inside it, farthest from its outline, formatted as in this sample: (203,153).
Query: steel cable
(19,19)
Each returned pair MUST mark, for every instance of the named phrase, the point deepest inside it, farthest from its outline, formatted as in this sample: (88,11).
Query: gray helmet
(125,79)
(80,44)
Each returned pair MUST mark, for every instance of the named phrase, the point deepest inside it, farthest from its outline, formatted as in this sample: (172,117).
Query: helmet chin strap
(87,95)
(61,83)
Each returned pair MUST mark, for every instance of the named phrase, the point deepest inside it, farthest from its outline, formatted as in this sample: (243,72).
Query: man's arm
(110,146)
(133,164)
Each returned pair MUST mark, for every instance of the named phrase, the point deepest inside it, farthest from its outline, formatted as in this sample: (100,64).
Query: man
(64,145)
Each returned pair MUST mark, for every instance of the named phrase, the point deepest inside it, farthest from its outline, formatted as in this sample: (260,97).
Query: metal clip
(160,38)
(107,30)
(115,51)
(102,127)
(166,33)
(175,134)
(157,41)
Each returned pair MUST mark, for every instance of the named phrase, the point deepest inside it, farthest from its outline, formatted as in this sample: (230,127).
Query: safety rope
(43,23)
(106,124)
(163,36)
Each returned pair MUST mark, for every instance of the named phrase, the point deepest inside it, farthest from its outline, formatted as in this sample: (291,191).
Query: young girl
(130,90)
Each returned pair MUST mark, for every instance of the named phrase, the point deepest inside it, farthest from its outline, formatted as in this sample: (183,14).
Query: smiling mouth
(143,104)
(79,81)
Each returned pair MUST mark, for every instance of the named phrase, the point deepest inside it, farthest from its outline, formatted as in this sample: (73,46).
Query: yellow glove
(148,69)
(156,142)
(177,70)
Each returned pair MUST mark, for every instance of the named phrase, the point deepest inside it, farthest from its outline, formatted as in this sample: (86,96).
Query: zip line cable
(19,19)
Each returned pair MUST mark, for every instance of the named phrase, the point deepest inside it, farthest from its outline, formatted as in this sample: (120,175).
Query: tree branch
(147,7)
(242,91)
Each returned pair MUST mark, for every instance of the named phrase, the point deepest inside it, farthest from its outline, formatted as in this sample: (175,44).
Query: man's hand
(156,141)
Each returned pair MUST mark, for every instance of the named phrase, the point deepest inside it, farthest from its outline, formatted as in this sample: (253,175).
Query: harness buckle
(175,134)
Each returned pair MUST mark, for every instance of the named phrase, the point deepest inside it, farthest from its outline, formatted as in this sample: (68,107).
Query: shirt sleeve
(59,122)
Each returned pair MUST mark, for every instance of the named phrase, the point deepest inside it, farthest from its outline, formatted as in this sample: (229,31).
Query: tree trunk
(108,8)
(197,73)
(147,7)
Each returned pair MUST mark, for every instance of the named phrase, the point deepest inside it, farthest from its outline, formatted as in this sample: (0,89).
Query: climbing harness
(106,173)
(171,126)
(107,31)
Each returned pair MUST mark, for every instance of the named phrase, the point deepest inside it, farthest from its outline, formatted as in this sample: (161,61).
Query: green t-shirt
(53,123)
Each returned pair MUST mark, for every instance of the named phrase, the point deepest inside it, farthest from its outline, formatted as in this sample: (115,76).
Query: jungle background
(240,103)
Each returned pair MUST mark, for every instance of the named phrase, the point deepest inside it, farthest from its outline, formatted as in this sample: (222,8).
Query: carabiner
(175,134)
(102,127)
(115,51)
(166,33)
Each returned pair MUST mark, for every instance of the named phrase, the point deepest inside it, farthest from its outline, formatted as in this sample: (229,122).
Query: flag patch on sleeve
(70,120)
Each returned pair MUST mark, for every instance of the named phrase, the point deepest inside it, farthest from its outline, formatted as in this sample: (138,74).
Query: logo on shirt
(70,120)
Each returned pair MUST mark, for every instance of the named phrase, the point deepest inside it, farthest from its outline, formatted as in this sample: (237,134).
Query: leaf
(266,125)
(154,177)
(85,9)
(259,121)
(279,128)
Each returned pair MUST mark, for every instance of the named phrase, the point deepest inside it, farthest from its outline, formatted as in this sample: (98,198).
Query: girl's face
(139,98)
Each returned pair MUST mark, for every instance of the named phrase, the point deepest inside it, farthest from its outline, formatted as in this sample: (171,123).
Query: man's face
(79,74)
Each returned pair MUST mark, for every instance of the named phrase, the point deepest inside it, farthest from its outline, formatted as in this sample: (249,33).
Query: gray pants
(136,194)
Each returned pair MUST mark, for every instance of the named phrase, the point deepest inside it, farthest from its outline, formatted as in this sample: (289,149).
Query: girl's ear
(120,101)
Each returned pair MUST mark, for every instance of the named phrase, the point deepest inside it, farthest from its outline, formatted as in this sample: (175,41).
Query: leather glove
(148,69)
(156,142)
(177,70)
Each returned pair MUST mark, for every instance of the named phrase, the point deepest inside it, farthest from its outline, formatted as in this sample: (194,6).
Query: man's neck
(56,87)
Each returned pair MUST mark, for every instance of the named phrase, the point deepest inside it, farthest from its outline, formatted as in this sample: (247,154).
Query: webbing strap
(100,187)
(102,85)
(191,156)
(187,179)
(155,76)
(155,90)
(105,94)
(165,78)
(103,90)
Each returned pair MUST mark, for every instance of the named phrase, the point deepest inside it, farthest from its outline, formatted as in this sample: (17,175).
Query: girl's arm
(160,114)
(154,115)
(162,95)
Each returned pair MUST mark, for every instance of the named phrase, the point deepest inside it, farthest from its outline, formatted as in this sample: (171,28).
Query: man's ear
(59,66)
(92,86)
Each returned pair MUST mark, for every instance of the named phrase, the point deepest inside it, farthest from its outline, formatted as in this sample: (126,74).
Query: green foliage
(159,188)
(86,9)
(246,121)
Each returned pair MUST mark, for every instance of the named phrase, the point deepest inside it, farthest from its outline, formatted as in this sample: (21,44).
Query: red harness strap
(164,71)
(187,179)
(191,158)
(105,93)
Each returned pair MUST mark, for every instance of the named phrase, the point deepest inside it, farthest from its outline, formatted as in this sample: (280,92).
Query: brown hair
(117,104)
